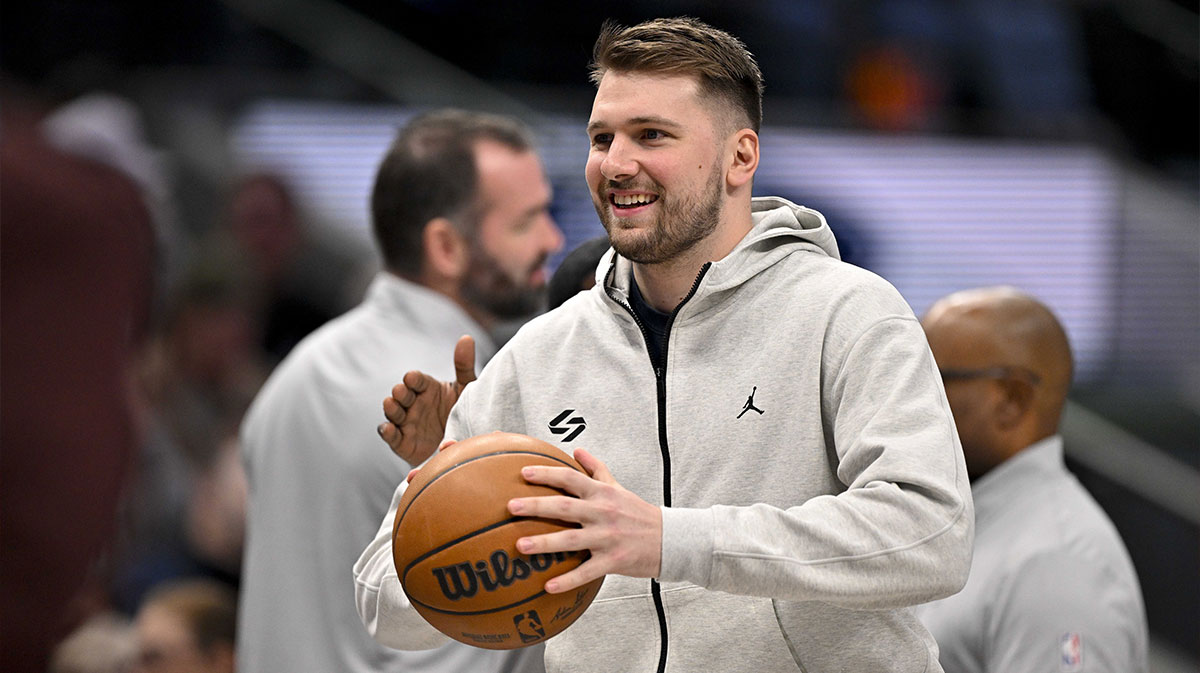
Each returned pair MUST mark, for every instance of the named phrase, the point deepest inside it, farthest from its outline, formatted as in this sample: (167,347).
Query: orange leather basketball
(454,545)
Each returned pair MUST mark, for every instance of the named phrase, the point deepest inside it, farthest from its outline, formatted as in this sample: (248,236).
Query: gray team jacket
(796,436)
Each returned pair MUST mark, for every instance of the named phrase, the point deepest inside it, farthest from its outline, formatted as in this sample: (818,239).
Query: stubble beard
(489,287)
(677,229)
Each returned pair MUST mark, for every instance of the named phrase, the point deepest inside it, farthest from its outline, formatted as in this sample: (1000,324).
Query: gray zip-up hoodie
(796,436)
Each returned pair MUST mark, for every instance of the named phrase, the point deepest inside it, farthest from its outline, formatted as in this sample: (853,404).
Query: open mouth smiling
(629,201)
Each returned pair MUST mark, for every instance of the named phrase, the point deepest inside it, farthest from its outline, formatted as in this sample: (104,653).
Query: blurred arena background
(1048,144)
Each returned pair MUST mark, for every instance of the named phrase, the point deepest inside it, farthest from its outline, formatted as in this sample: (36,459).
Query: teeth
(633,199)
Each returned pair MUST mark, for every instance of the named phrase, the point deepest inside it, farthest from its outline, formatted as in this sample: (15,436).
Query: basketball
(454,545)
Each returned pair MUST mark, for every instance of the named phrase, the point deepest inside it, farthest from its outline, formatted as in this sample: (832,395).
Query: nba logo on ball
(454,545)
(1071,646)
(529,627)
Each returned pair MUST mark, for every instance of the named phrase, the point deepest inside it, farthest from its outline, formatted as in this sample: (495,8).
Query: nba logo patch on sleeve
(1070,646)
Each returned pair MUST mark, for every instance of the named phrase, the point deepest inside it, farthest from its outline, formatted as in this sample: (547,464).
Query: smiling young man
(793,538)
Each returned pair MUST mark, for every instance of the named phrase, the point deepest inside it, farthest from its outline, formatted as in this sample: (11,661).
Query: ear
(744,160)
(446,253)
(1015,403)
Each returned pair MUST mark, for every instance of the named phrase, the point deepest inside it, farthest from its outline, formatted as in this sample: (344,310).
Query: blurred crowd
(1011,66)
(124,519)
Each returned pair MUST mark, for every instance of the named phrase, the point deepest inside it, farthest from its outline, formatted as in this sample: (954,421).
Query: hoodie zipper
(660,380)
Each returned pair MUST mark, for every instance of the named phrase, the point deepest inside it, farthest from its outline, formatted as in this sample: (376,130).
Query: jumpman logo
(750,404)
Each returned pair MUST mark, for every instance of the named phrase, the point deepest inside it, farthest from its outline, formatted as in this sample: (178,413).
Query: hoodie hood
(780,228)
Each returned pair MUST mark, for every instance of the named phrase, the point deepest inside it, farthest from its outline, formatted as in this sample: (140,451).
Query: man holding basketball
(460,214)
(797,537)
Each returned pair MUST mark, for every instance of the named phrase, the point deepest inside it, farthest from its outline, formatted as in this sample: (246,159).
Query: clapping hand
(419,406)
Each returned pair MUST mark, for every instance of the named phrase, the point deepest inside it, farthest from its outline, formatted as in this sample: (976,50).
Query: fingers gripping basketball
(454,545)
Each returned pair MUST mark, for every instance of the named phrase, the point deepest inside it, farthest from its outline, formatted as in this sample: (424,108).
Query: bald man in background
(1051,587)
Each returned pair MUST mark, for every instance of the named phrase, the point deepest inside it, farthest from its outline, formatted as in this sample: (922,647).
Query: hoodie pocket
(825,638)
(716,631)
(614,633)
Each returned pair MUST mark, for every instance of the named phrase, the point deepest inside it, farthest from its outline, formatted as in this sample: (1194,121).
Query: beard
(680,225)
(493,289)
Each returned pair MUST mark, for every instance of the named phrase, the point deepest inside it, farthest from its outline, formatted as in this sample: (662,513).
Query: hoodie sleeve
(382,604)
(900,532)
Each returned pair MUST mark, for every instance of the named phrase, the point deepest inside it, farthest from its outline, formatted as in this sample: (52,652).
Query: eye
(653,134)
(602,139)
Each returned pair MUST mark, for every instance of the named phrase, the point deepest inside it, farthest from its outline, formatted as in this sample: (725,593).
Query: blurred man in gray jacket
(460,210)
(1052,587)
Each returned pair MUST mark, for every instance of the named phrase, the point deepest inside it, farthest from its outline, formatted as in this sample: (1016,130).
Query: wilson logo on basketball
(463,580)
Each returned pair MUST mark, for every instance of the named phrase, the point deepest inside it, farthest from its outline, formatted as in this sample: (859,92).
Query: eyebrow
(540,208)
(650,120)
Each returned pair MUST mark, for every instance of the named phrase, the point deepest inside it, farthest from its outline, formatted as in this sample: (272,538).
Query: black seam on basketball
(515,519)
(477,612)
(451,543)
(455,466)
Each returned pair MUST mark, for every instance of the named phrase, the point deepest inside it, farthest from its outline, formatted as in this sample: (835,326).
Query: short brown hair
(430,172)
(685,46)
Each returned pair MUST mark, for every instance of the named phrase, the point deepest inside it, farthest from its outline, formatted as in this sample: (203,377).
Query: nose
(620,162)
(551,235)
